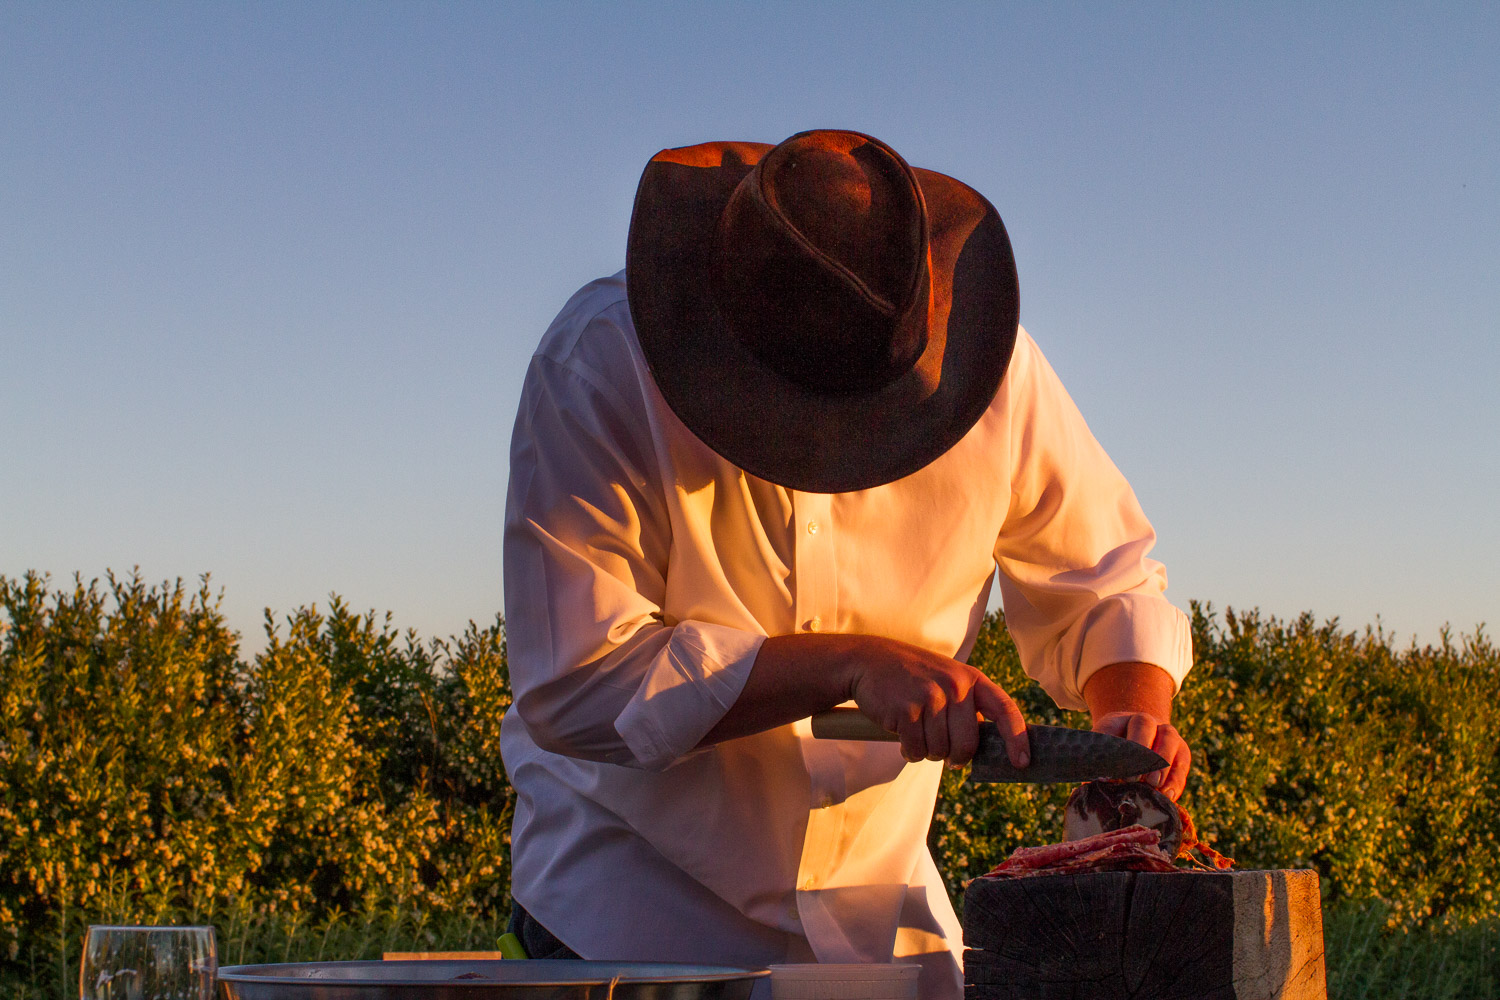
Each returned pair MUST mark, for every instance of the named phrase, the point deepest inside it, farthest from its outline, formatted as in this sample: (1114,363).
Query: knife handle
(849,724)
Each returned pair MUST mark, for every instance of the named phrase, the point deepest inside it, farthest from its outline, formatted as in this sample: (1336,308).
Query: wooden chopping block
(1252,935)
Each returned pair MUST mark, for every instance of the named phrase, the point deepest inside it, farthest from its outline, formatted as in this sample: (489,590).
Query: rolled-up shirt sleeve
(1079,589)
(598,670)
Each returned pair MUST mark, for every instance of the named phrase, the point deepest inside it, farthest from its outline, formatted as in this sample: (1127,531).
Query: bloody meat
(1106,831)
(1133,848)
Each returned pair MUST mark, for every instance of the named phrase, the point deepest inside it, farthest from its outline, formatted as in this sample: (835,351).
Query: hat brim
(769,425)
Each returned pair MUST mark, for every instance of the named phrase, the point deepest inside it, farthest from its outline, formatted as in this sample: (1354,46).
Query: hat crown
(821,263)
(818,313)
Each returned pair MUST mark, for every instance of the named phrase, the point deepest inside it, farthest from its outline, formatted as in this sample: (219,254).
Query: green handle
(510,946)
(849,724)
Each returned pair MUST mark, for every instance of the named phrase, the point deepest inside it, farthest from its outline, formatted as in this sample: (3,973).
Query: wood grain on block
(1254,935)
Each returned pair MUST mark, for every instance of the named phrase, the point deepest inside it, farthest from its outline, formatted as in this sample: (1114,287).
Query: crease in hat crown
(821,262)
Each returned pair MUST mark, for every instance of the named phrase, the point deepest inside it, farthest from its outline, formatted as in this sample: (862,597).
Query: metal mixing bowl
(486,980)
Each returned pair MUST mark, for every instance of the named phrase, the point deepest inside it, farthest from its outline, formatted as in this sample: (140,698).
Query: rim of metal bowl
(704,973)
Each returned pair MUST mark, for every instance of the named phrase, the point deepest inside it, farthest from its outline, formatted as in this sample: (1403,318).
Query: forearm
(930,701)
(1130,687)
(794,676)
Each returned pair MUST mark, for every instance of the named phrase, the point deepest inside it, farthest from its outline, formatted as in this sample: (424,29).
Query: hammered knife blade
(1058,753)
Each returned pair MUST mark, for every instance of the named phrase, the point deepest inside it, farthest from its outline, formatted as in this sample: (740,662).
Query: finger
(913,737)
(963,731)
(1165,744)
(1112,724)
(1142,729)
(935,729)
(1182,762)
(1001,709)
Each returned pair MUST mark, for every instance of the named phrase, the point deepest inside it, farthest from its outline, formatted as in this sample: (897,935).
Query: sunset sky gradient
(270,274)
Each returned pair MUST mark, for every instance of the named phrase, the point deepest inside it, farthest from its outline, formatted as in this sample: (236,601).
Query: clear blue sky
(270,273)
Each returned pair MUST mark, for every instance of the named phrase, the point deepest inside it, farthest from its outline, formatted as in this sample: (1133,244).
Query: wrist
(851,657)
(825,667)
(863,656)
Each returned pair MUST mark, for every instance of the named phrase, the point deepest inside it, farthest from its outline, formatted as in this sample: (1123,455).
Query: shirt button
(815,623)
(812,527)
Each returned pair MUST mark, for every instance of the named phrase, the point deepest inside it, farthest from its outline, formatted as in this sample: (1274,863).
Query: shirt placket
(815,599)
(816,605)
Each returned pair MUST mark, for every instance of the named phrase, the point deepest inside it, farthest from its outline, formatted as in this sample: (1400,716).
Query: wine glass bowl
(148,963)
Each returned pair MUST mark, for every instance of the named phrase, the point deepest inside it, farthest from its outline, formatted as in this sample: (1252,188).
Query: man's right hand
(932,702)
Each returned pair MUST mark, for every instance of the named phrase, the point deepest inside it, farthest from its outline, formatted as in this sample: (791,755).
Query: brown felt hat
(818,312)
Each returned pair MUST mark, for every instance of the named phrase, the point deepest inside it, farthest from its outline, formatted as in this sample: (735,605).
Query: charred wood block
(1255,935)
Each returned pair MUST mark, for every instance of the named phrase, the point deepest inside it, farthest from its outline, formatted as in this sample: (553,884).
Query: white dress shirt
(642,573)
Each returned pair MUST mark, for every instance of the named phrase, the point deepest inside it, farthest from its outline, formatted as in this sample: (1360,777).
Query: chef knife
(1057,753)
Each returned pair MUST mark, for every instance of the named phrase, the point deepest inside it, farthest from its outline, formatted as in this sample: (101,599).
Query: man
(770,468)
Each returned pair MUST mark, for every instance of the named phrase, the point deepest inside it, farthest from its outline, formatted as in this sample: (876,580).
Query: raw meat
(1135,848)
(1116,826)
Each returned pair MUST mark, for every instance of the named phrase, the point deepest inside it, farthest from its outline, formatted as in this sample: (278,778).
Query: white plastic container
(844,982)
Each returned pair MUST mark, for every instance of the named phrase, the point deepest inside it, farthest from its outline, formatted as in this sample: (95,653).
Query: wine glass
(148,963)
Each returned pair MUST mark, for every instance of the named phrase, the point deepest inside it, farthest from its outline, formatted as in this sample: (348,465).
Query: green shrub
(343,793)
(1313,748)
(147,774)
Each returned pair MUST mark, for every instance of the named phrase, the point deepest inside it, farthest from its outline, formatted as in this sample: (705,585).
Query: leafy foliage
(343,793)
(147,774)
(1313,748)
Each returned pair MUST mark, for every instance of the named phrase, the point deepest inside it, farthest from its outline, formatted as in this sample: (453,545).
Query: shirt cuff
(688,687)
(1125,628)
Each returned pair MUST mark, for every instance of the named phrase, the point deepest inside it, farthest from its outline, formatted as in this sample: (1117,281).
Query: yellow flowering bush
(148,774)
(1313,747)
(343,792)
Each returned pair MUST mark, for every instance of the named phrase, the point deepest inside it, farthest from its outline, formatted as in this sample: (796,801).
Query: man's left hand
(1134,700)
(1149,731)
